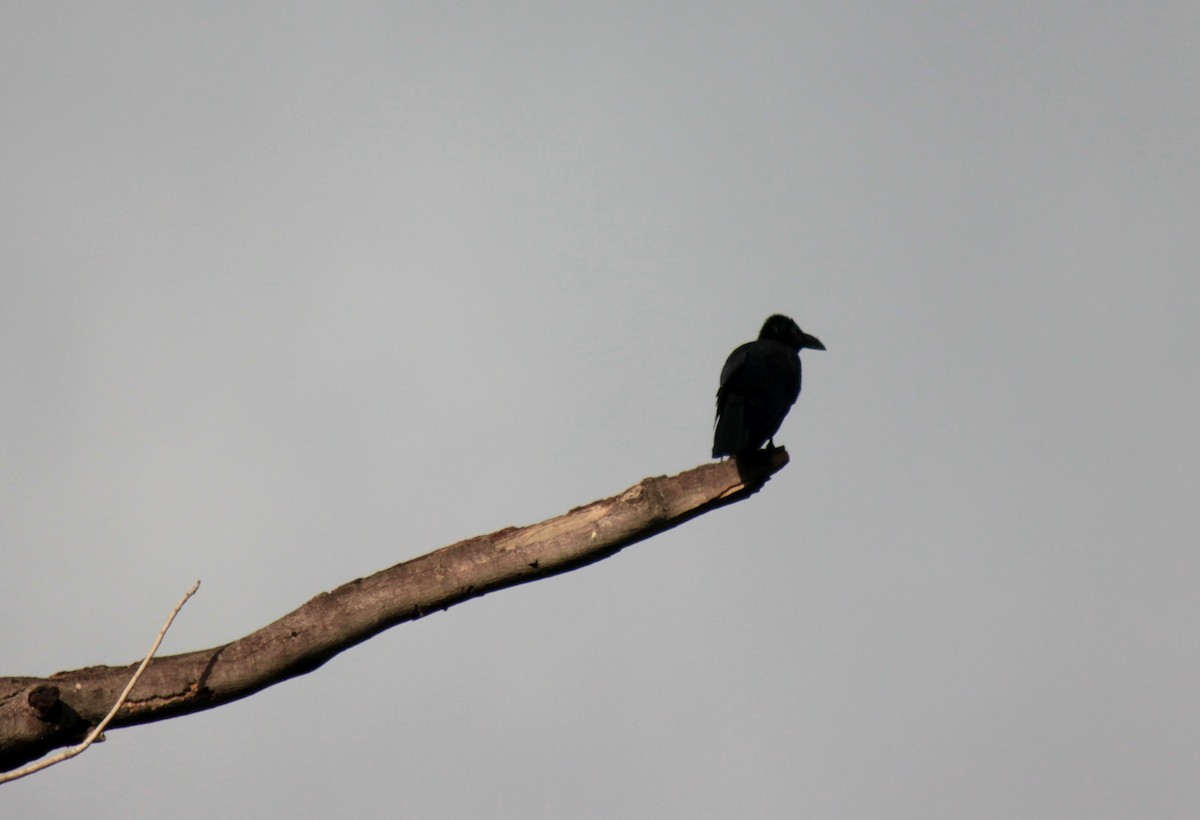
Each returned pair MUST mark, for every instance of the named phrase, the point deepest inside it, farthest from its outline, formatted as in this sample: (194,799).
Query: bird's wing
(732,365)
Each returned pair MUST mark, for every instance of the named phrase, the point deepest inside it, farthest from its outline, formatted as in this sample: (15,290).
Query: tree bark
(38,715)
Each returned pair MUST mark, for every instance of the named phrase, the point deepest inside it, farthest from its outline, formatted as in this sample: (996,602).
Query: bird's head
(782,329)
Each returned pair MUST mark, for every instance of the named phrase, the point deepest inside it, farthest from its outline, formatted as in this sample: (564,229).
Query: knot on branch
(45,703)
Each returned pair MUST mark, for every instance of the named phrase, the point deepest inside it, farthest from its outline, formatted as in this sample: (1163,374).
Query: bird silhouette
(759,384)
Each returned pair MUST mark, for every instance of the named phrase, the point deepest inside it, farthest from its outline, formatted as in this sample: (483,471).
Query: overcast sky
(292,292)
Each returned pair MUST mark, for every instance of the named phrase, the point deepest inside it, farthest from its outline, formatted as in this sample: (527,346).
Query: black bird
(759,384)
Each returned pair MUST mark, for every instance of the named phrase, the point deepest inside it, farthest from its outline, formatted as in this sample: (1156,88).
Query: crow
(759,384)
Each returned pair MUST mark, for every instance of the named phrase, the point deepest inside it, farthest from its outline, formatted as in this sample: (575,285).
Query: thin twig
(67,754)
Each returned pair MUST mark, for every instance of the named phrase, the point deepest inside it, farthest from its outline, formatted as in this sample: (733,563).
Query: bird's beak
(812,341)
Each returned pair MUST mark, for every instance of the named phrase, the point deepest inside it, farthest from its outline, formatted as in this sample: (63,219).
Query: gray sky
(290,294)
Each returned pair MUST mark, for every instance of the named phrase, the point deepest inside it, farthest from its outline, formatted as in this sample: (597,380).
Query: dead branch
(95,734)
(38,715)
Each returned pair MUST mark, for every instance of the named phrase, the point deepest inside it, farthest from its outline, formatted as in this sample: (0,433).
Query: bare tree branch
(38,715)
(67,754)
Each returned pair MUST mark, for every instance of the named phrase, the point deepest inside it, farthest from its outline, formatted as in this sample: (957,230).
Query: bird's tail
(730,436)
